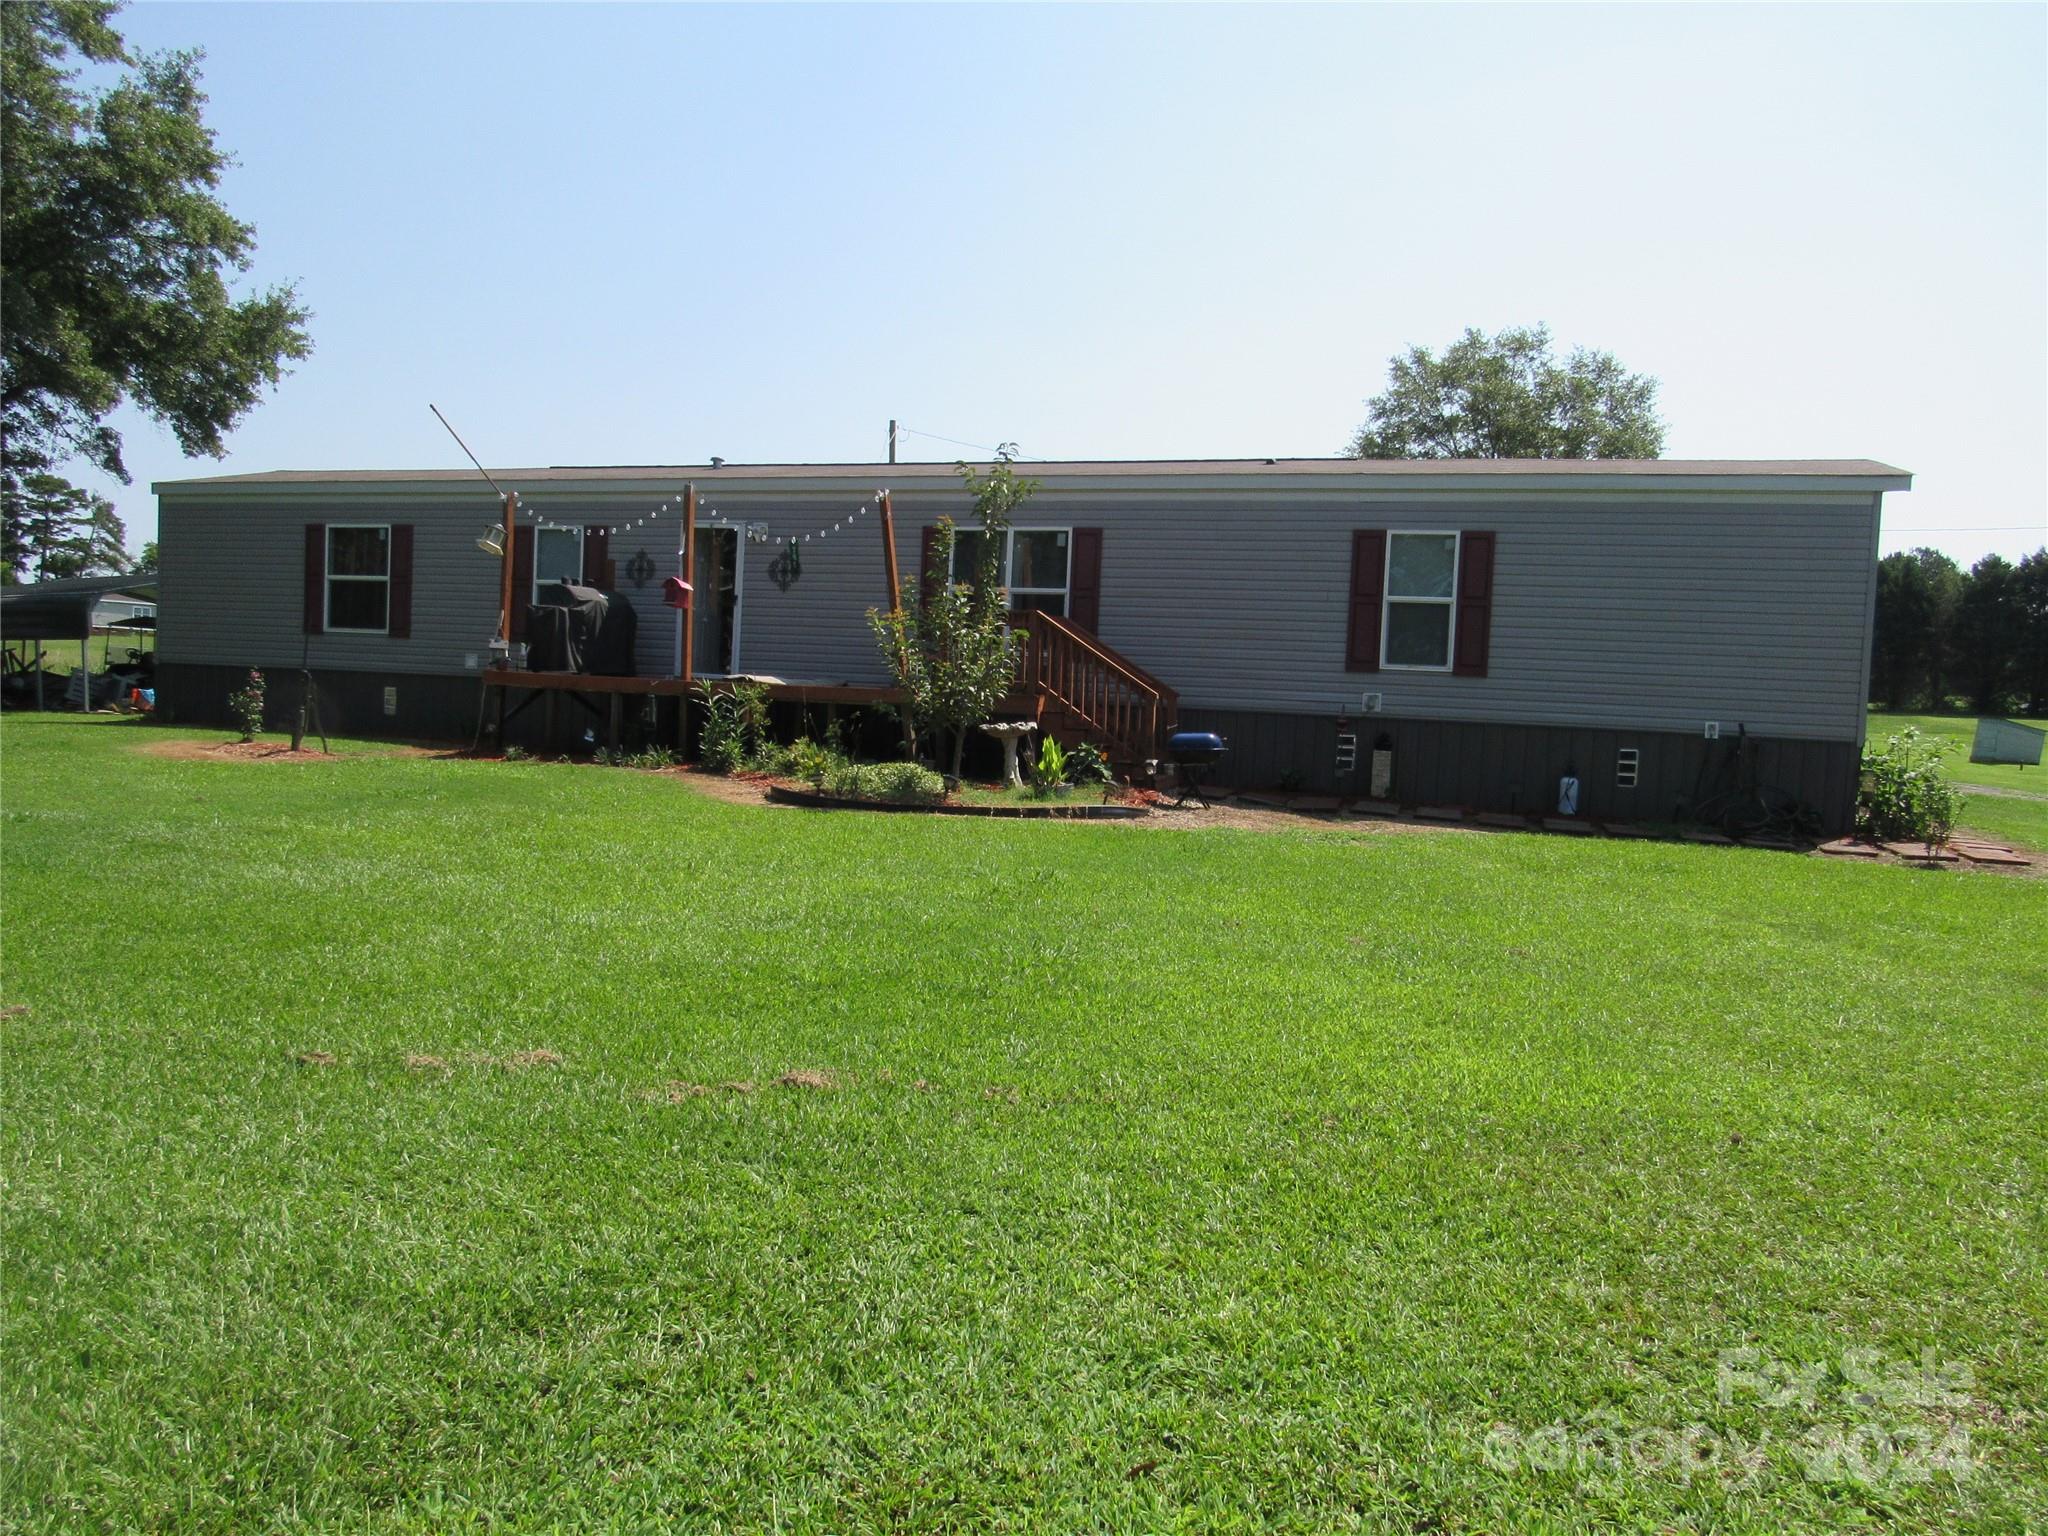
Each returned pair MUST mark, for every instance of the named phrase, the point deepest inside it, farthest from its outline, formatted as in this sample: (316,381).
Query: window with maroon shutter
(357,588)
(597,558)
(1368,587)
(1084,597)
(316,578)
(401,581)
(1475,604)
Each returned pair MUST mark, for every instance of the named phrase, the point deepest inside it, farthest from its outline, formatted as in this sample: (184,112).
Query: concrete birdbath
(1009,733)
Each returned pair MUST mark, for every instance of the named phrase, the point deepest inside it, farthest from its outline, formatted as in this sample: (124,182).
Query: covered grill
(1194,753)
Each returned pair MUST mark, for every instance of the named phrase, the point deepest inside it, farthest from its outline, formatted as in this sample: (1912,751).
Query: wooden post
(895,588)
(689,617)
(85,667)
(505,601)
(889,553)
(690,575)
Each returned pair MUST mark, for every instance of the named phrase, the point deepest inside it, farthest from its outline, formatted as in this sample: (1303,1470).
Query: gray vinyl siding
(1652,610)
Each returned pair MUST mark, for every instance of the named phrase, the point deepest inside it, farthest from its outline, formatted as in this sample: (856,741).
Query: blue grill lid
(1187,743)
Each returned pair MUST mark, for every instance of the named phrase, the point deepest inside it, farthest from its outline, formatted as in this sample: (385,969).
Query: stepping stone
(1921,853)
(1502,819)
(1313,805)
(1439,813)
(1624,829)
(1373,808)
(1265,802)
(1566,824)
(1710,836)
(1777,844)
(1985,854)
(1851,848)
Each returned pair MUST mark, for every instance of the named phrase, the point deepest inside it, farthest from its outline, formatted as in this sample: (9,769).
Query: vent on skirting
(1627,763)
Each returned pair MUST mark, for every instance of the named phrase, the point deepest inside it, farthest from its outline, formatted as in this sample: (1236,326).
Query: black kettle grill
(1194,753)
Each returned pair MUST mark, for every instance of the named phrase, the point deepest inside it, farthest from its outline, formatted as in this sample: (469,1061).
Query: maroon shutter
(1084,595)
(1475,604)
(522,580)
(597,554)
(316,578)
(1368,585)
(399,620)
(927,556)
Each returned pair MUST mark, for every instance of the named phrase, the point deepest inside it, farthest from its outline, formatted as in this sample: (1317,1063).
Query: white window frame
(328,579)
(540,580)
(1065,591)
(1388,598)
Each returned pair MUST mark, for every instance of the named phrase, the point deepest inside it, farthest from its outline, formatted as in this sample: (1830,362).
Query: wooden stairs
(1078,689)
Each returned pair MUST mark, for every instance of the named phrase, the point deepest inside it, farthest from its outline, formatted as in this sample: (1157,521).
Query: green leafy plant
(1905,790)
(812,762)
(736,733)
(1086,764)
(1050,771)
(954,653)
(247,704)
(515,753)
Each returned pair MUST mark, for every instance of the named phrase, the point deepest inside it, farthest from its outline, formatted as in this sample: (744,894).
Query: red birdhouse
(675,592)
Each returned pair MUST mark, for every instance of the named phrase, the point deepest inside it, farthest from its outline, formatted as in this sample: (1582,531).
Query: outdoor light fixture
(493,543)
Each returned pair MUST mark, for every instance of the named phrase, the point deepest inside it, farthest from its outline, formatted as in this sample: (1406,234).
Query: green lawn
(1207,1181)
(2020,814)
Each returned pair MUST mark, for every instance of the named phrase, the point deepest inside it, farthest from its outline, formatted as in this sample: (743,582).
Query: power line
(1035,458)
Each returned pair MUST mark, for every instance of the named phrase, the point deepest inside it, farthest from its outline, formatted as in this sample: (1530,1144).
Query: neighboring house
(1501,621)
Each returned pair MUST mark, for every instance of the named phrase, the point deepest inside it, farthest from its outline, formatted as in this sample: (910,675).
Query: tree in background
(2030,593)
(55,529)
(1989,631)
(1507,397)
(1911,646)
(117,252)
(1940,629)
(146,561)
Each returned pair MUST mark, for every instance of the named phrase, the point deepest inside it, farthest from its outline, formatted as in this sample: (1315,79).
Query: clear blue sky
(640,234)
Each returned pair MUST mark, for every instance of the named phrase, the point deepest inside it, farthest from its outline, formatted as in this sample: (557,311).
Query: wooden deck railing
(1129,707)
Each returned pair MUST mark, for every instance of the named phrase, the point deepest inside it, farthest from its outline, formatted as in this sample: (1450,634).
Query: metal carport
(63,610)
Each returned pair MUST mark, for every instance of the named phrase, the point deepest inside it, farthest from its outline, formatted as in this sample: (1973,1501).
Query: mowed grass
(2019,813)
(1193,1181)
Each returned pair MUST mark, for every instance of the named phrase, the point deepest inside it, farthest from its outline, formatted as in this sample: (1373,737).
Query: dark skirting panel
(1486,766)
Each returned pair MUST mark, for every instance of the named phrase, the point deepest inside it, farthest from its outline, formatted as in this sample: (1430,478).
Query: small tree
(954,653)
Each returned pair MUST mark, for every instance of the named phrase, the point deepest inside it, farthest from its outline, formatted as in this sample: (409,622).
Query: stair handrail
(1137,727)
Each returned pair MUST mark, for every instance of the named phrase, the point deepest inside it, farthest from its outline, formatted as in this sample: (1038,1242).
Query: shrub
(901,783)
(1905,790)
(247,704)
(810,761)
(1086,764)
(905,783)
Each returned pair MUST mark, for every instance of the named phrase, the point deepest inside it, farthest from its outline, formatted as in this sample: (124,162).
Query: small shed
(2006,741)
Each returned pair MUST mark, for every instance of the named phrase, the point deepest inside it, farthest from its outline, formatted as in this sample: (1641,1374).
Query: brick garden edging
(783,795)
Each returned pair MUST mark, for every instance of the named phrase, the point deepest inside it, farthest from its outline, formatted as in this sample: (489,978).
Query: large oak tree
(116,255)
(1508,397)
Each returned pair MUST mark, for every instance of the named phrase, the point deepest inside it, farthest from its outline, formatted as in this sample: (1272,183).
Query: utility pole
(892,440)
